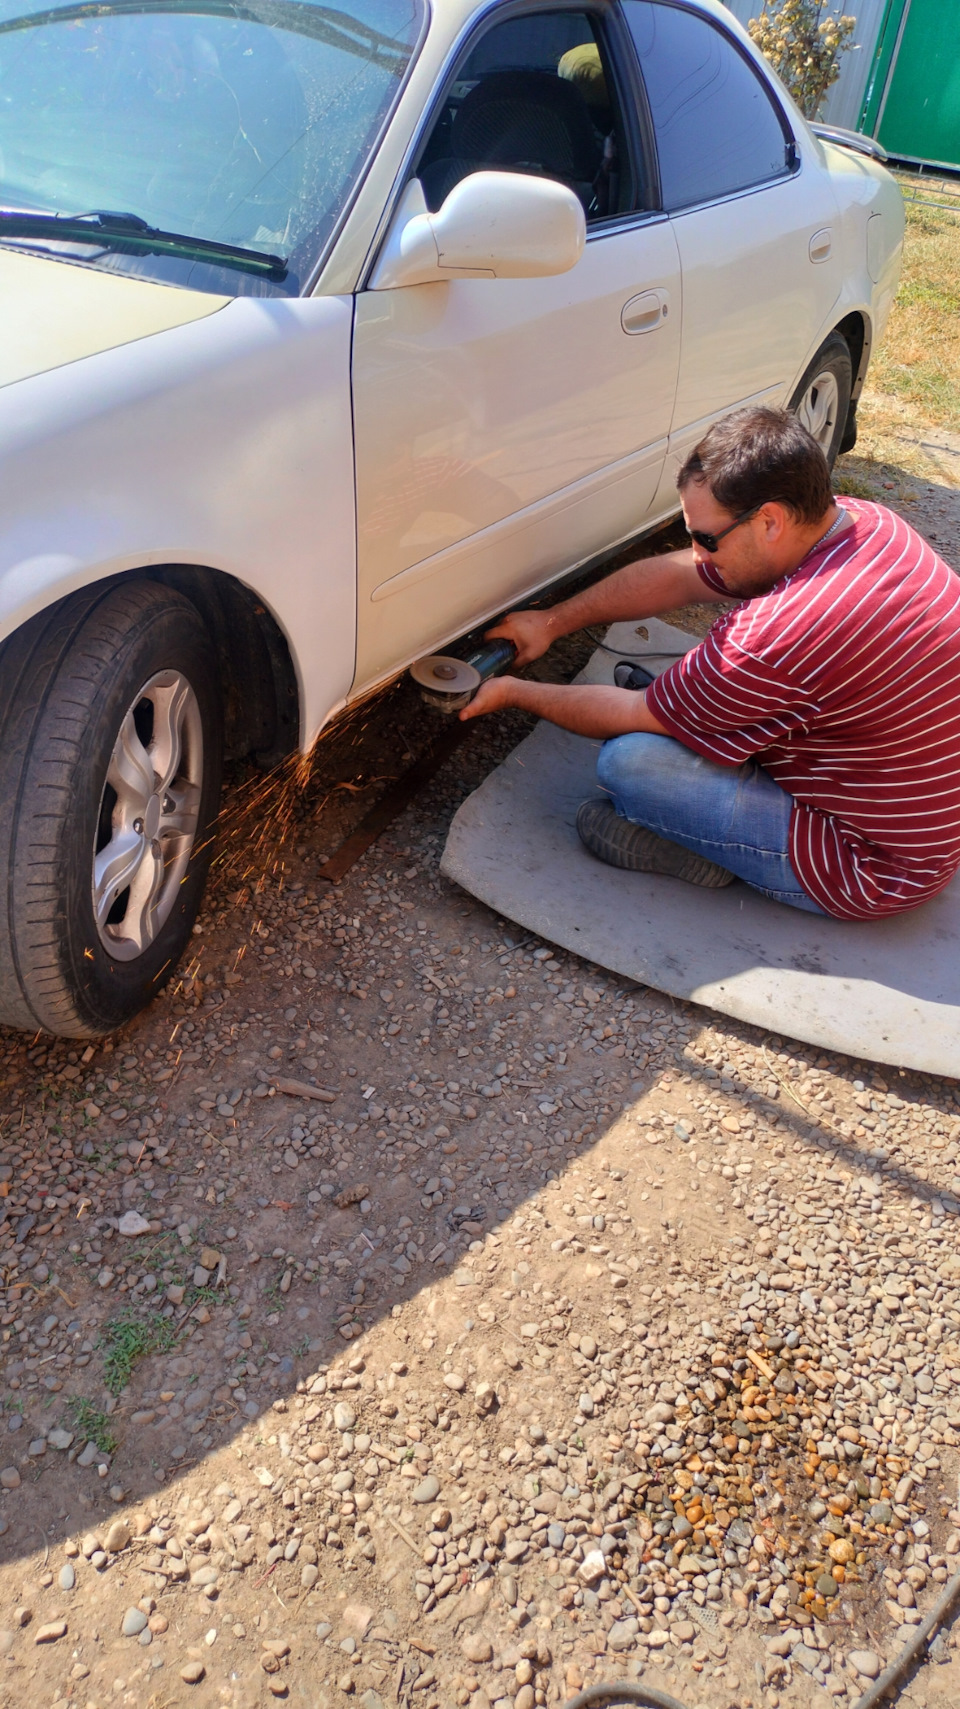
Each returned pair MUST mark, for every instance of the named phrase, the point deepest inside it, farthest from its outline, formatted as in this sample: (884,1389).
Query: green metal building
(912,98)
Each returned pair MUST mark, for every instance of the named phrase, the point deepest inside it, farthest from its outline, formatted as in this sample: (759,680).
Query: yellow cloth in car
(582,66)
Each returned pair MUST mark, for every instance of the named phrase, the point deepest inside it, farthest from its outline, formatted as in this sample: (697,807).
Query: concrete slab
(887,991)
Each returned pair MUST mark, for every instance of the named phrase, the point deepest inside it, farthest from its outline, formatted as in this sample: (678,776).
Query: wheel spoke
(806,412)
(167,744)
(809,411)
(114,868)
(817,410)
(130,772)
(140,921)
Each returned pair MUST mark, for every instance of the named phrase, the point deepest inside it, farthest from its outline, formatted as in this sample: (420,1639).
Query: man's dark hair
(761,456)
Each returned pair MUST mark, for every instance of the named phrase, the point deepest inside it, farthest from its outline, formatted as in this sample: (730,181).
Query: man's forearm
(586,710)
(638,590)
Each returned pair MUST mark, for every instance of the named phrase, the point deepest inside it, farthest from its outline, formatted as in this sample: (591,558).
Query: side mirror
(493,225)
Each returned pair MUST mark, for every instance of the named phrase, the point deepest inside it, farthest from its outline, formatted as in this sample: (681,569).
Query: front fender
(225,443)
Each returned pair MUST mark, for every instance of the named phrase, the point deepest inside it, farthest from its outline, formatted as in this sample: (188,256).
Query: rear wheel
(110,755)
(822,399)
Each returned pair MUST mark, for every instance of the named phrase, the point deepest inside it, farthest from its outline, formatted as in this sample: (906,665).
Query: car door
(509,429)
(754,222)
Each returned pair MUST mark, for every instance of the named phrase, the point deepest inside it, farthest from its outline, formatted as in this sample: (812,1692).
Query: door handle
(821,245)
(643,313)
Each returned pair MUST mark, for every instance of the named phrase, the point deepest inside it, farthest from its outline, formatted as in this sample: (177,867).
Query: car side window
(716,125)
(535,95)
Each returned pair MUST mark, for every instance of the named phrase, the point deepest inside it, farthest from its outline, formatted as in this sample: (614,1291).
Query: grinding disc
(442,675)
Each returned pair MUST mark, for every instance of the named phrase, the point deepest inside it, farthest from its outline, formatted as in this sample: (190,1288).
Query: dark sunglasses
(710,542)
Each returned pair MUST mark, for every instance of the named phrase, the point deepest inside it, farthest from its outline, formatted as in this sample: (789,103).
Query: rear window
(717,128)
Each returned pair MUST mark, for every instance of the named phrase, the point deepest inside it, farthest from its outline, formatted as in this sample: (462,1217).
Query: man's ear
(776,520)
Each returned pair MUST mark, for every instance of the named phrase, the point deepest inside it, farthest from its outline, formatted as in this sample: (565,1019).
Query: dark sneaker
(621,843)
(626,675)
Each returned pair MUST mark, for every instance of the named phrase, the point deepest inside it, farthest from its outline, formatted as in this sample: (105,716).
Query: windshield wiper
(130,232)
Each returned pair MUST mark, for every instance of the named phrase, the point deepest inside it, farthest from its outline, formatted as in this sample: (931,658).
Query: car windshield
(239,122)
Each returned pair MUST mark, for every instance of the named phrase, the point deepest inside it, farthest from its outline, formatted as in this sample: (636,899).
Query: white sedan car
(328,332)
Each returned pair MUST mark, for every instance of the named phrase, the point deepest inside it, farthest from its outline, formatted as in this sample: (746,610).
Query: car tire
(822,398)
(110,763)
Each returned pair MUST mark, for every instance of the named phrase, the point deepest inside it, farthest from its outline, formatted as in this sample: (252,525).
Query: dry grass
(919,358)
(892,463)
(913,388)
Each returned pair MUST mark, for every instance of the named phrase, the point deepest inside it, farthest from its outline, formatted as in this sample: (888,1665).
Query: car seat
(519,121)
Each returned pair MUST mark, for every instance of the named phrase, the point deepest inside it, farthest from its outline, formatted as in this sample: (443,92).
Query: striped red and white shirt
(843,682)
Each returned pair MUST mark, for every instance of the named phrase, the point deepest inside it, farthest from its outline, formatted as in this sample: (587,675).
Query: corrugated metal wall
(842,106)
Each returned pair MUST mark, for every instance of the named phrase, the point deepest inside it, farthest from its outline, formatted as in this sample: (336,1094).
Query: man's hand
(494,695)
(530,631)
(638,590)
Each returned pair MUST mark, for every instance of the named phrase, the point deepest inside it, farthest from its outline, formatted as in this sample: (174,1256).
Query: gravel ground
(402,1310)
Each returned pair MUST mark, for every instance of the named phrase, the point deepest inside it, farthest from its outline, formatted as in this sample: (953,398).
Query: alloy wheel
(149,814)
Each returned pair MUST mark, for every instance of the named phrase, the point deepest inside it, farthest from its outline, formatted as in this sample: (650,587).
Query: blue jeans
(734,815)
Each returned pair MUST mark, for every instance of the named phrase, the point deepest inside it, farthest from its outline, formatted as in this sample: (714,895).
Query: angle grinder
(448,683)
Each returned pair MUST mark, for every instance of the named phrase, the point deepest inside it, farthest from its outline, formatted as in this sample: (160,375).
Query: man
(810,745)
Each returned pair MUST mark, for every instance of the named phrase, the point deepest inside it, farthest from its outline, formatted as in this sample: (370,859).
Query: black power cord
(888,1685)
(648,655)
(893,1677)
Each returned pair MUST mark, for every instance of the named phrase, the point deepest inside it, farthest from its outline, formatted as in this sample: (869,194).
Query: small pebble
(866,1663)
(476,1648)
